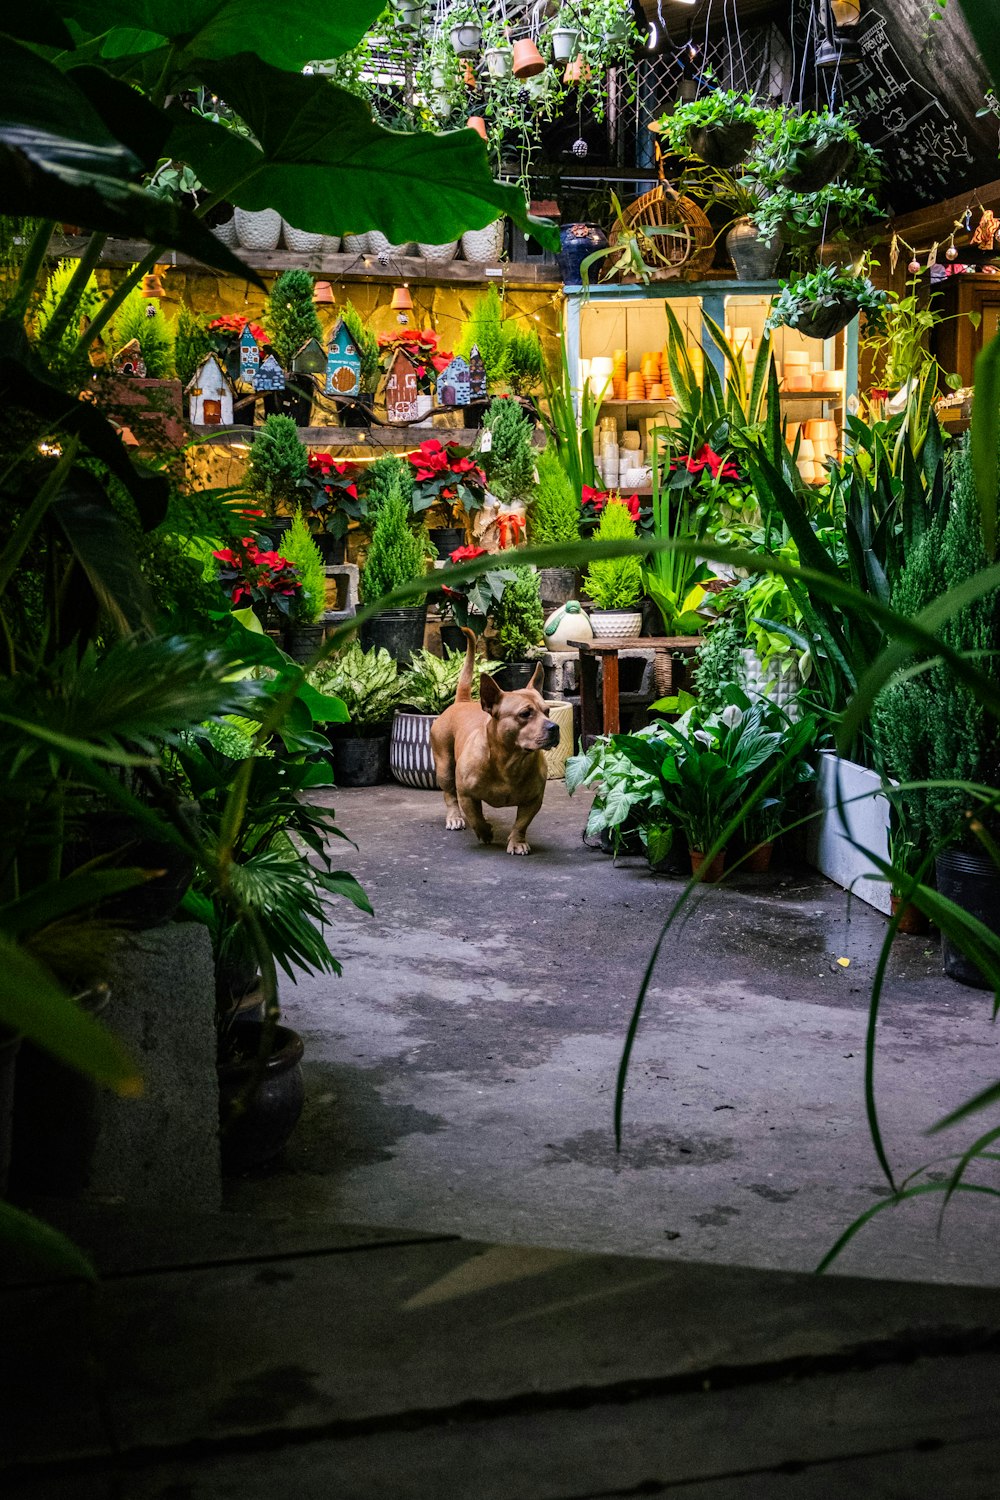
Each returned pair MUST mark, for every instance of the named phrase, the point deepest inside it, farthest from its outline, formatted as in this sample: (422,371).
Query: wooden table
(606,652)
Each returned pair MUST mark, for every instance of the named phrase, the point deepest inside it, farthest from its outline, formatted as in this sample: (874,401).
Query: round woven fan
(690,248)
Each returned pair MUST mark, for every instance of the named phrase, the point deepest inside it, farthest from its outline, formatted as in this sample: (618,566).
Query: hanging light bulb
(837,24)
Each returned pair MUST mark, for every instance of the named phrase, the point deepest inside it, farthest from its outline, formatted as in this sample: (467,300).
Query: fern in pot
(368,684)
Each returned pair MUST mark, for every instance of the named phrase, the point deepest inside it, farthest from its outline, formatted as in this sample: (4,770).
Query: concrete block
(162,1150)
(562,673)
(346,576)
(865,820)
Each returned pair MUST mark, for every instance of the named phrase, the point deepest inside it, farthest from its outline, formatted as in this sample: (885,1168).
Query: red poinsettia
(335,498)
(256,576)
(466,554)
(593,502)
(718,467)
(445,472)
(233,323)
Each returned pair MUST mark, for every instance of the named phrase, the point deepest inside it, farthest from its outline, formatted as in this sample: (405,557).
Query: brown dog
(491,751)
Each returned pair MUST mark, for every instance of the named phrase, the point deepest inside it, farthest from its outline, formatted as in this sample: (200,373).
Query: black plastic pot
(452,637)
(301,642)
(399,631)
(274,526)
(972,881)
(332,549)
(815,168)
(722,145)
(445,539)
(291,402)
(514,675)
(360,753)
(273,1105)
(754,257)
(121,843)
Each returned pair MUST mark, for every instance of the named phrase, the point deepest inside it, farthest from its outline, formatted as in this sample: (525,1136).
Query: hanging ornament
(986,230)
(579,147)
(893,254)
(914,267)
(951,253)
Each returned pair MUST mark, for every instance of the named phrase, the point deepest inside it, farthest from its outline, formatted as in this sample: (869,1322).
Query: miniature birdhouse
(310,359)
(270,376)
(129,360)
(477,375)
(343,362)
(210,395)
(249,356)
(401,389)
(454,385)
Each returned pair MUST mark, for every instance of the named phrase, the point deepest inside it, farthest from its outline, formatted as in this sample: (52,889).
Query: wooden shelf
(412,268)
(344,437)
(832,398)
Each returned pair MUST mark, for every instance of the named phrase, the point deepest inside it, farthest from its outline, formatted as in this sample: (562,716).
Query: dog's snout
(551,734)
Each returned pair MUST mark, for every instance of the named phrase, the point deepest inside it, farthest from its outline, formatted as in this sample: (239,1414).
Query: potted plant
(720,127)
(564,35)
(426,689)
(334,504)
(471,604)
(519,623)
(395,556)
(554,520)
(258,578)
(498,54)
(278,471)
(804,150)
(291,318)
(149,400)
(614,584)
(754,256)
(835,217)
(824,301)
(367,683)
(631,244)
(303,632)
(506,453)
(465,28)
(448,481)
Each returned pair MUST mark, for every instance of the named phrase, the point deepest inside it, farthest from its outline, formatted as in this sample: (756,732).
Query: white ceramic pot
(564,44)
(465,38)
(484,245)
(410,758)
(301,241)
(439,253)
(227,233)
(331,244)
(379,244)
(615,624)
(258,229)
(356,244)
(499,62)
(769,682)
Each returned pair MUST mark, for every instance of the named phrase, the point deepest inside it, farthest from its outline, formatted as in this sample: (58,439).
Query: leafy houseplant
(615,583)
(473,603)
(260,578)
(335,502)
(444,476)
(429,683)
(427,688)
(838,214)
(803,151)
(631,245)
(823,302)
(367,683)
(720,127)
(277,471)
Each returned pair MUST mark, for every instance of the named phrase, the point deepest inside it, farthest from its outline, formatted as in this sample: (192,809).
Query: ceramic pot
(331,244)
(710,871)
(258,229)
(484,245)
(781,687)
(465,38)
(527,61)
(972,881)
(379,244)
(439,253)
(577,241)
(301,241)
(758,861)
(564,43)
(913,922)
(408,17)
(722,145)
(410,759)
(272,1110)
(355,244)
(499,62)
(567,623)
(226,232)
(615,624)
(755,258)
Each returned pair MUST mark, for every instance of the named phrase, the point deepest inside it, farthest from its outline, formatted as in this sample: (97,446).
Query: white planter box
(828,845)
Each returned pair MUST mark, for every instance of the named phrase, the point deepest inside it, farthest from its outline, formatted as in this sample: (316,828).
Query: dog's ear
(490,692)
(537,678)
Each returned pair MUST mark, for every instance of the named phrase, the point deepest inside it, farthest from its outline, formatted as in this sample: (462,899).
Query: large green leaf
(981,19)
(29,1240)
(325,165)
(103,547)
(33,1004)
(38,23)
(984,441)
(288,35)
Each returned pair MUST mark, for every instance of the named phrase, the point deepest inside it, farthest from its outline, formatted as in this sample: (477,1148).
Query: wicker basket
(688,253)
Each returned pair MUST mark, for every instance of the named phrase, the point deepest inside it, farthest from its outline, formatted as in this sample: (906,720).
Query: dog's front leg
(472,811)
(518,841)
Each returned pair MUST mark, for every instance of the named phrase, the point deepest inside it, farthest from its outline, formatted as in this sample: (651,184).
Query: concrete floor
(460,1074)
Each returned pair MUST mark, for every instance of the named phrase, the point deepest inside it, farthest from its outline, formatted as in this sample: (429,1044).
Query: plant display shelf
(338,267)
(828,398)
(350,437)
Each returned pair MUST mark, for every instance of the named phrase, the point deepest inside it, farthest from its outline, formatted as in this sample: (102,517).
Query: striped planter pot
(410,758)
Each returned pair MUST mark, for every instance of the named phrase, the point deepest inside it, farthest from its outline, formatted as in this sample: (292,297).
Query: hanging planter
(465,38)
(499,62)
(527,59)
(812,167)
(564,44)
(722,145)
(822,303)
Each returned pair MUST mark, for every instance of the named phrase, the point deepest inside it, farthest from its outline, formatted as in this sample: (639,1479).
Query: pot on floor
(971,881)
(260,1101)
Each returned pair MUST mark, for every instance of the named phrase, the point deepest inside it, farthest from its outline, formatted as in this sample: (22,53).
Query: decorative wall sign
(343,362)
(454,384)
(210,395)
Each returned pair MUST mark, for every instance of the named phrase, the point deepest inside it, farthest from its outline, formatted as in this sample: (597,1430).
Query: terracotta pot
(528,61)
(913,922)
(478,124)
(713,871)
(758,861)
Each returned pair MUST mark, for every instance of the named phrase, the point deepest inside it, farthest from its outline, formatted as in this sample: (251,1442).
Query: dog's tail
(464,692)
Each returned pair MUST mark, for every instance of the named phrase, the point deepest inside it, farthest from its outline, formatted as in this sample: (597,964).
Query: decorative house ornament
(249,356)
(477,375)
(270,376)
(210,395)
(343,362)
(401,389)
(129,360)
(454,384)
(310,359)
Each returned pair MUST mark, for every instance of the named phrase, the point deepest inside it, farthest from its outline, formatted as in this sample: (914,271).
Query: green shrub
(61,358)
(300,549)
(386,474)
(279,462)
(484,328)
(395,554)
(519,618)
(139,318)
(555,512)
(525,360)
(290,315)
(371,366)
(192,343)
(614,582)
(509,462)
(719,666)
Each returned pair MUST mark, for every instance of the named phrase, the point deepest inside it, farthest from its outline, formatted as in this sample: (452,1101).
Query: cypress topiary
(484,328)
(278,463)
(371,366)
(192,343)
(509,462)
(519,618)
(383,476)
(300,549)
(139,318)
(614,582)
(290,315)
(525,360)
(554,516)
(395,554)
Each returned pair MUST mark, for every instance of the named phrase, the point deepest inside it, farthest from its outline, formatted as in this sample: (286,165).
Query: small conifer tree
(290,315)
(192,343)
(300,549)
(519,617)
(484,328)
(614,582)
(395,555)
(381,477)
(278,463)
(555,512)
(509,462)
(367,342)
